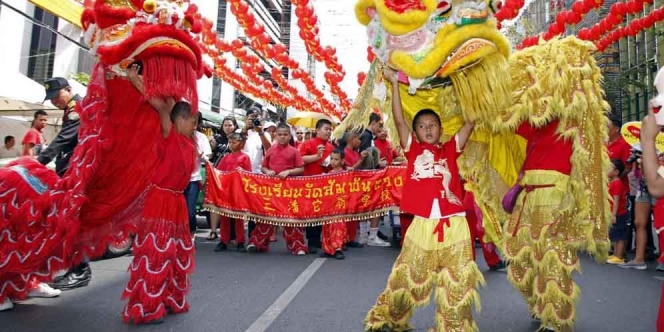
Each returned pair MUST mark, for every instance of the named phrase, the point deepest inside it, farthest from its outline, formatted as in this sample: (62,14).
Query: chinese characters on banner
(302,201)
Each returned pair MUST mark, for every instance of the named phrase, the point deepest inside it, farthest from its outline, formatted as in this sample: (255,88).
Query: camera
(635,154)
(256,122)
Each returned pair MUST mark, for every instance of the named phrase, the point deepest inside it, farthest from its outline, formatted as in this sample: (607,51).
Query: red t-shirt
(386,150)
(178,160)
(351,157)
(620,149)
(550,151)
(433,174)
(310,148)
(234,160)
(281,158)
(616,189)
(33,136)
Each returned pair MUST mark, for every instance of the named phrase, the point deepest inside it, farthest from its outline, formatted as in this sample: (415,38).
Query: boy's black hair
(199,119)
(283,126)
(39,113)
(8,138)
(373,117)
(425,111)
(618,164)
(323,122)
(236,137)
(340,152)
(182,109)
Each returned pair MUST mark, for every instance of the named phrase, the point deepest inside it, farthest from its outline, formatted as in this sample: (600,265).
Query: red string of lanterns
(307,21)
(565,17)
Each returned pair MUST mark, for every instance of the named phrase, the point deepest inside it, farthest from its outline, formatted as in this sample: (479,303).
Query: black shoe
(80,276)
(312,250)
(339,255)
(241,248)
(498,267)
(383,236)
(220,247)
(354,244)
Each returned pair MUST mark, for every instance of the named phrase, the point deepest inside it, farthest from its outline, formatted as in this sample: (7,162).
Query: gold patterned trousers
(426,264)
(541,246)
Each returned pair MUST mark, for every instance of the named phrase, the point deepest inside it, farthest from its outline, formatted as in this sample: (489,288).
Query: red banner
(304,201)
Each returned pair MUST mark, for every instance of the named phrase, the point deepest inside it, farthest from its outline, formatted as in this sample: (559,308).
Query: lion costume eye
(495,5)
(444,7)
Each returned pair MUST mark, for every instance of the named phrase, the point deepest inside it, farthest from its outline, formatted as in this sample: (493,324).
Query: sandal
(213,236)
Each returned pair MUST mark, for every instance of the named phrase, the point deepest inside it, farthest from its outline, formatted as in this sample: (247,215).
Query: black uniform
(63,145)
(62,148)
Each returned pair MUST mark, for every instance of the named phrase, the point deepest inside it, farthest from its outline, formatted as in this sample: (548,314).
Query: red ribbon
(440,228)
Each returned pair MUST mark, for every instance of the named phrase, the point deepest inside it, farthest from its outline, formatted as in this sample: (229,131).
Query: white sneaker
(301,253)
(6,305)
(377,242)
(44,291)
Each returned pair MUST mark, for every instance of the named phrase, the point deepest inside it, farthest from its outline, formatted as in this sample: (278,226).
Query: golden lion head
(428,39)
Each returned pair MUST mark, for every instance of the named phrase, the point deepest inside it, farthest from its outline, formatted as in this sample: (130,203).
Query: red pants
(477,231)
(225,225)
(294,236)
(660,316)
(351,231)
(405,220)
(334,237)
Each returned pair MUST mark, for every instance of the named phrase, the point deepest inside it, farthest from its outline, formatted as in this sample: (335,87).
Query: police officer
(60,93)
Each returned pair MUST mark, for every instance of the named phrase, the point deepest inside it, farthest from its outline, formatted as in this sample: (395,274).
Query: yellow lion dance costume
(539,122)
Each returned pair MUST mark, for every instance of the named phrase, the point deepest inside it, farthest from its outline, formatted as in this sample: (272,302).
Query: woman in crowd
(220,148)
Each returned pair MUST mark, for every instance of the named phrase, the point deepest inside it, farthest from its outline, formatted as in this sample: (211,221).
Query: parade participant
(353,159)
(619,215)
(334,234)
(367,139)
(299,136)
(219,144)
(387,152)
(164,250)
(231,162)
(61,95)
(473,216)
(282,160)
(35,135)
(437,247)
(315,154)
(653,172)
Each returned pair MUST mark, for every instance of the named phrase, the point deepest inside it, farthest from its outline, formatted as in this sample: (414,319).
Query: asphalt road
(233,292)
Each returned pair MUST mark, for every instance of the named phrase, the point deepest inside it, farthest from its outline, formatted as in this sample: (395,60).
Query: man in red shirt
(387,152)
(619,148)
(281,160)
(34,136)
(316,156)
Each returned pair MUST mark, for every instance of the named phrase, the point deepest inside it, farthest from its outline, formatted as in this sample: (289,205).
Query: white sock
(373,233)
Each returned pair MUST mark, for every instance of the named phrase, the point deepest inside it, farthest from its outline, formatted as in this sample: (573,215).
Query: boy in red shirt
(236,159)
(315,153)
(281,160)
(437,248)
(353,159)
(159,278)
(620,217)
(334,234)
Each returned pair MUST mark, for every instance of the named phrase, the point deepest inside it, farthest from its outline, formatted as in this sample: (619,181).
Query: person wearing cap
(61,95)
(270,128)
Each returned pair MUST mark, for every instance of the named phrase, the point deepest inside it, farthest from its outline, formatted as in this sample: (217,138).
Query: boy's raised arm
(397,111)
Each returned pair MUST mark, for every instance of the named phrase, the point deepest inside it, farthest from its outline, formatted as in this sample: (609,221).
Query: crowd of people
(282,151)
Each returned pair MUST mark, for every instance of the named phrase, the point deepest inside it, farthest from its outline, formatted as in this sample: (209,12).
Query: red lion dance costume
(50,224)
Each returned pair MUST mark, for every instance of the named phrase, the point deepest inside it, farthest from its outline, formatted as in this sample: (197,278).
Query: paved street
(231,293)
